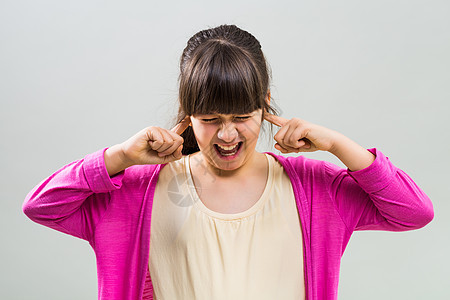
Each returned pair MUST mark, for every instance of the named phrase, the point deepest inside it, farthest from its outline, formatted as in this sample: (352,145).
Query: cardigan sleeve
(74,198)
(379,197)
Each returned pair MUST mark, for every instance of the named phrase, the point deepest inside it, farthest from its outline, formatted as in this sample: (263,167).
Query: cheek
(203,133)
(250,129)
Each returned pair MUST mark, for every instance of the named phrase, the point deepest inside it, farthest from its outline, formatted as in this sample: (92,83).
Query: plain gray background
(76,76)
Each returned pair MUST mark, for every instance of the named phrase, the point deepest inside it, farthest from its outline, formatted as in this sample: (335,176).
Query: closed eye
(242,118)
(209,120)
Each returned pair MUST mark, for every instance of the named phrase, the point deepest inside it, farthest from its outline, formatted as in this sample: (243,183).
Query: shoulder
(300,164)
(150,172)
(142,170)
(139,176)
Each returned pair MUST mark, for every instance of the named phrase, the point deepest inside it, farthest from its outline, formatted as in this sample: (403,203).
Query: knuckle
(179,142)
(276,139)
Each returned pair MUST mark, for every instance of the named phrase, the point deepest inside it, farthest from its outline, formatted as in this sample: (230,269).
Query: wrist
(116,160)
(353,155)
(124,158)
(338,143)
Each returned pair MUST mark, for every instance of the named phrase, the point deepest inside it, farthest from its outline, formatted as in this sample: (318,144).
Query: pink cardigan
(114,215)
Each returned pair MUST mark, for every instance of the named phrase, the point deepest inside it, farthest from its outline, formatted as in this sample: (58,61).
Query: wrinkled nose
(227,132)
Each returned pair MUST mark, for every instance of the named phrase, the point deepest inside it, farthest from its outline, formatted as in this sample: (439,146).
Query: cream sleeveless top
(197,253)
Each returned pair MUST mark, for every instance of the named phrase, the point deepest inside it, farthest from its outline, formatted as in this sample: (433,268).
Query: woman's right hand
(152,145)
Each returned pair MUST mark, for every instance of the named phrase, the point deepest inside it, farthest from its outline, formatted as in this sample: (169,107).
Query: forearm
(74,198)
(354,156)
(115,160)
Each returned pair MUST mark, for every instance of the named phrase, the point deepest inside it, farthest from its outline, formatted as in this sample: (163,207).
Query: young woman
(197,213)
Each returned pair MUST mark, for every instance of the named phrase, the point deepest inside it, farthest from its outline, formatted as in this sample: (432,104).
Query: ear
(268,104)
(268,97)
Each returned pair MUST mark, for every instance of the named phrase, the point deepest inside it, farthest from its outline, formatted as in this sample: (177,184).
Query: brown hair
(222,70)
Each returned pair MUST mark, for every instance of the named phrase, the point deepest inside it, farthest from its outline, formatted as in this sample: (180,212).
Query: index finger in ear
(181,127)
(276,120)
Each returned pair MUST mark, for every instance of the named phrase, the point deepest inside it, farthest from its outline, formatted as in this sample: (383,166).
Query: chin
(230,162)
(229,166)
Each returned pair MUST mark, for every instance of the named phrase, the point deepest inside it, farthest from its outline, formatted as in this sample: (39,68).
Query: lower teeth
(228,154)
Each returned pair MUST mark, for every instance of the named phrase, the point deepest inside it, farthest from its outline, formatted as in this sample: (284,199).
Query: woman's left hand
(297,135)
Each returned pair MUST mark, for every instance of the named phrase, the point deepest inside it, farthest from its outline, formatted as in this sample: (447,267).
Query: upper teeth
(228,147)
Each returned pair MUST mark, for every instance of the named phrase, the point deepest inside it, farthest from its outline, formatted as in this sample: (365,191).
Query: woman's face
(227,142)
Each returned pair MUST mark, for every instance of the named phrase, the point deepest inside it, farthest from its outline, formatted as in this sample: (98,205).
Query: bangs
(221,78)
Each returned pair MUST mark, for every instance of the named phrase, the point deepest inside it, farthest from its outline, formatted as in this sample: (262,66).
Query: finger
(276,120)
(176,155)
(177,141)
(168,142)
(175,136)
(282,149)
(294,137)
(308,144)
(154,138)
(281,134)
(288,149)
(181,127)
(172,149)
(304,146)
(300,144)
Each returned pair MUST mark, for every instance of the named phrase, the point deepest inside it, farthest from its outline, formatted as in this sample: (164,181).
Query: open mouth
(228,151)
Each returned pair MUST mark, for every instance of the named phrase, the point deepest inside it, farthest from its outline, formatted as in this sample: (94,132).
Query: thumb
(174,156)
